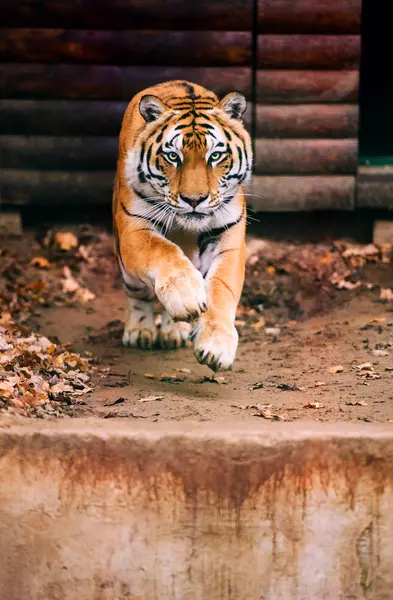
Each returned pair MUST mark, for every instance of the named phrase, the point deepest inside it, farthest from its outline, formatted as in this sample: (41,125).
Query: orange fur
(173,242)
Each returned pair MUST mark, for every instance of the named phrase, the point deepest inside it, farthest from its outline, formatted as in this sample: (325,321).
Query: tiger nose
(194,200)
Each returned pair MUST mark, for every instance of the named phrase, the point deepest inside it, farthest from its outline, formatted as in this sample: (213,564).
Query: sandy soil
(277,373)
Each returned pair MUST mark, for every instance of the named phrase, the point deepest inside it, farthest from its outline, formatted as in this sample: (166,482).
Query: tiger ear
(151,107)
(233,104)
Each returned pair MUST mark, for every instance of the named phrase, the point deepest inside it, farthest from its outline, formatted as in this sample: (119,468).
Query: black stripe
(213,236)
(152,221)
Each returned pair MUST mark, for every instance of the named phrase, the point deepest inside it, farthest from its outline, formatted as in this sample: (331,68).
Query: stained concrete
(110,511)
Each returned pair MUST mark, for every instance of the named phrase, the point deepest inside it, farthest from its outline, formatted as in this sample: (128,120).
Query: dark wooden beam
(307,87)
(306,157)
(307,121)
(309,16)
(308,51)
(302,193)
(110,82)
(20,187)
(235,15)
(167,48)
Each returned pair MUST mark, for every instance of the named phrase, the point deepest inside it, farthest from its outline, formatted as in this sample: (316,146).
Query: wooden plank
(309,16)
(110,82)
(96,117)
(302,193)
(307,121)
(374,187)
(123,14)
(56,187)
(305,157)
(180,48)
(48,152)
(308,51)
(62,117)
(305,87)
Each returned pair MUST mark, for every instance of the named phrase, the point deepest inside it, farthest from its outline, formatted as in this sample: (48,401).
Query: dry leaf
(258,385)
(319,383)
(380,353)
(367,366)
(149,375)
(151,398)
(84,295)
(66,241)
(386,294)
(69,283)
(336,369)
(273,331)
(313,404)
(185,371)
(359,403)
(41,262)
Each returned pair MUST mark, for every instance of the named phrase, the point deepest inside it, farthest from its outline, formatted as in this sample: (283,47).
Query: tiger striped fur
(180,217)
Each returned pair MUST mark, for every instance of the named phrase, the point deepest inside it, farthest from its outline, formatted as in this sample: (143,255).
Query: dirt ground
(316,340)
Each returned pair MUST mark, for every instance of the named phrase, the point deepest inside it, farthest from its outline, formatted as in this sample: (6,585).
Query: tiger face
(189,159)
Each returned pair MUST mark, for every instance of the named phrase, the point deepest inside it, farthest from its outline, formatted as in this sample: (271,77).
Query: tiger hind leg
(140,330)
(173,334)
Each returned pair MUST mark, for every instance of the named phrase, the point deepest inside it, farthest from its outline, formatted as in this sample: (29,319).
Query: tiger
(179,216)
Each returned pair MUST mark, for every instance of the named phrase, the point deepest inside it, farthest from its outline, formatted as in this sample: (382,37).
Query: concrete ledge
(111,511)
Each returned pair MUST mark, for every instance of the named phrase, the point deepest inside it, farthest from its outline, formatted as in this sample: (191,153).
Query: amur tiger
(180,218)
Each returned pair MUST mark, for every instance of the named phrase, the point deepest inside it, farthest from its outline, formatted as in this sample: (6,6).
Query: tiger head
(190,158)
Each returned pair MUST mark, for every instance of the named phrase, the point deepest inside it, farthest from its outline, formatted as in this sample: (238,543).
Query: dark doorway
(376,85)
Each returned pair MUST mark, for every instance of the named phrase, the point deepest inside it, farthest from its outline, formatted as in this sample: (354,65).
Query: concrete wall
(109,511)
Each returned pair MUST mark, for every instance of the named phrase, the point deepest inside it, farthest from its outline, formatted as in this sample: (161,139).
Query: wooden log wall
(307,113)
(68,70)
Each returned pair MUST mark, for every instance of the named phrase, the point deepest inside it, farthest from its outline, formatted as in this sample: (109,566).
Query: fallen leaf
(336,369)
(149,375)
(258,385)
(319,383)
(313,404)
(286,387)
(273,331)
(186,371)
(118,401)
(151,398)
(69,283)
(380,353)
(386,294)
(84,295)
(41,262)
(171,378)
(66,241)
(367,366)
(359,403)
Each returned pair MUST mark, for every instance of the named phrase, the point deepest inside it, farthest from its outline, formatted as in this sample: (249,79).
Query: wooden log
(305,87)
(308,51)
(95,117)
(305,157)
(110,82)
(66,153)
(122,14)
(302,193)
(309,16)
(307,121)
(179,48)
(62,117)
(55,187)
(374,187)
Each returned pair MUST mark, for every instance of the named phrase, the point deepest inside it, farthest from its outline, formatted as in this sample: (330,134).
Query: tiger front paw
(183,295)
(215,343)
